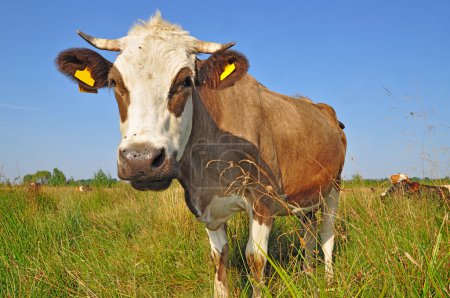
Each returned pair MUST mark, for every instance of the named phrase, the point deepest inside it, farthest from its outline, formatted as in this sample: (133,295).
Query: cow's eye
(111,83)
(187,82)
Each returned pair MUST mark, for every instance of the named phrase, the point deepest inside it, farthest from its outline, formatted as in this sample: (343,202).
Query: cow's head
(154,78)
(396,178)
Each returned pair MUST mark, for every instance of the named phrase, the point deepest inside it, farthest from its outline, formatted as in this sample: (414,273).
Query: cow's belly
(220,209)
(289,209)
(304,197)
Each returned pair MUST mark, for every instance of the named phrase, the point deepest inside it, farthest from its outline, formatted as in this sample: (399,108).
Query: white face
(154,83)
(148,70)
(153,79)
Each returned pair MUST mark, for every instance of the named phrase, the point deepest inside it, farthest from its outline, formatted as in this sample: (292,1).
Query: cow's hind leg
(219,256)
(256,250)
(310,237)
(329,211)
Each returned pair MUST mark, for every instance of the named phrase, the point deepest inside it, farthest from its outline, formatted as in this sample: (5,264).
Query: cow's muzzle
(146,167)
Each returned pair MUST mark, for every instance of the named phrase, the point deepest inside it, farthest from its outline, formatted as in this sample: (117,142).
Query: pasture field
(117,242)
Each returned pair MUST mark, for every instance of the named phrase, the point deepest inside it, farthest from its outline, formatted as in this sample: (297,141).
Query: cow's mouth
(152,185)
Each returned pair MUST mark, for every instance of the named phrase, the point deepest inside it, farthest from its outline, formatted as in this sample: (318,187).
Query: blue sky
(383,65)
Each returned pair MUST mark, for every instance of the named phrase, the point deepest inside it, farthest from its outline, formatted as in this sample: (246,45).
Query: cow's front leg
(256,250)
(219,256)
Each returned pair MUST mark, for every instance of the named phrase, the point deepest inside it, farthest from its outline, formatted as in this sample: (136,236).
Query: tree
(57,178)
(42,177)
(102,179)
(27,179)
(71,182)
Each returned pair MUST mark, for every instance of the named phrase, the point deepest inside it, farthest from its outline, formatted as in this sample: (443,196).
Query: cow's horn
(212,47)
(101,43)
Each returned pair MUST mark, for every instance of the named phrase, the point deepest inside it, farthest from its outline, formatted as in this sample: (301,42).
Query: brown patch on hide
(263,205)
(180,90)
(256,262)
(209,71)
(121,92)
(71,60)
(414,187)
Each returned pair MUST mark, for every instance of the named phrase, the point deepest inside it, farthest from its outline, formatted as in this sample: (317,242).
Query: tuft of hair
(156,24)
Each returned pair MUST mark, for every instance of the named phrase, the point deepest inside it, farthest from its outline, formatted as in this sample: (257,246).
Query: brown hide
(297,145)
(423,189)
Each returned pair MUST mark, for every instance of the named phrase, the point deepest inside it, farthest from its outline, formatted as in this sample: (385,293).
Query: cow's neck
(204,128)
(219,138)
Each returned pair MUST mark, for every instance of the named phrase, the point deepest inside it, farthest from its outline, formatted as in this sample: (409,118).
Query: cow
(34,187)
(411,188)
(402,185)
(233,144)
(84,188)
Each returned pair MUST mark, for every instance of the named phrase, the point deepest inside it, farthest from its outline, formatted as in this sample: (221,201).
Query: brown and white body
(396,178)
(84,188)
(410,188)
(34,187)
(233,144)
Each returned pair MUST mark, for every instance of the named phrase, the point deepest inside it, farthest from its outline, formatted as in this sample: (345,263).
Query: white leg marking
(256,252)
(219,255)
(258,240)
(329,211)
(218,238)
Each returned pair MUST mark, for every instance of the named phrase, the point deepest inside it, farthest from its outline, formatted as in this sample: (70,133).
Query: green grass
(122,243)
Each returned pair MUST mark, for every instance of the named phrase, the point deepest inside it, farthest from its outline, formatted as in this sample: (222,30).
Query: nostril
(159,160)
(122,152)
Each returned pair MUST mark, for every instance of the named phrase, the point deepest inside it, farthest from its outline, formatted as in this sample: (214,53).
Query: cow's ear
(221,70)
(88,68)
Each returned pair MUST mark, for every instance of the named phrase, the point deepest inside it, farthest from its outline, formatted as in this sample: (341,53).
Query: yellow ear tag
(227,71)
(85,76)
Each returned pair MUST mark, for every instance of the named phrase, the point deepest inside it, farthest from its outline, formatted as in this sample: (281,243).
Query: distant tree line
(100,178)
(357,179)
(57,178)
